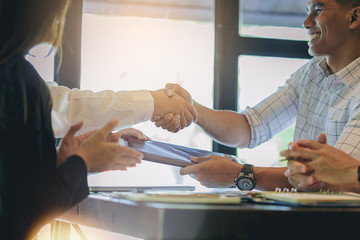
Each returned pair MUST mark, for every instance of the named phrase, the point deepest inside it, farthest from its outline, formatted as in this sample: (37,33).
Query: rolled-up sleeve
(272,115)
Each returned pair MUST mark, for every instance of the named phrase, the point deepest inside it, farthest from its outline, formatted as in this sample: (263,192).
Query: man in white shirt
(95,109)
(322,96)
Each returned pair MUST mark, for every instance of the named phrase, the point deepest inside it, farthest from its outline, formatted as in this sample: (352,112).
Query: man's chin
(313,53)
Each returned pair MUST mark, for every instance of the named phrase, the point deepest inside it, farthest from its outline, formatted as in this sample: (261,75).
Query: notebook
(314,198)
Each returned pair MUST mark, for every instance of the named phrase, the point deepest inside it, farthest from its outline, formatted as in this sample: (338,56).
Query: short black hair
(348,3)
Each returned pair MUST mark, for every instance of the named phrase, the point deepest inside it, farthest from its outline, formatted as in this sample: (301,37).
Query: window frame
(229,45)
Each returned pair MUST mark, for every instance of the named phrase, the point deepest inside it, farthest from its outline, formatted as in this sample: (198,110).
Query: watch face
(245,183)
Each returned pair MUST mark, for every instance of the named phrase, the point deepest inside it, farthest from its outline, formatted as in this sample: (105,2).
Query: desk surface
(203,221)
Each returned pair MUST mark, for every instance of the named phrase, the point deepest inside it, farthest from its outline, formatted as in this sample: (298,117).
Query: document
(167,153)
(179,197)
(314,198)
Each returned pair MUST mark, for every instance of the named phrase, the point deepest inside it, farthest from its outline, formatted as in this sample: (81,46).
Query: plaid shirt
(316,102)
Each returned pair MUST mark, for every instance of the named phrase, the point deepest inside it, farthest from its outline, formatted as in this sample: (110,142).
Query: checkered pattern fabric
(316,102)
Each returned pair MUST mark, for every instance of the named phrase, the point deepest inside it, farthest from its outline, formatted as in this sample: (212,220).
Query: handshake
(173,111)
(173,108)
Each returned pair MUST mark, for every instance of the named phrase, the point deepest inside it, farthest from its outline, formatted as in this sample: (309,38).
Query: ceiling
(260,12)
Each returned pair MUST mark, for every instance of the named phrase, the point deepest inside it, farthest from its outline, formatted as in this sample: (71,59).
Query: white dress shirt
(316,102)
(95,109)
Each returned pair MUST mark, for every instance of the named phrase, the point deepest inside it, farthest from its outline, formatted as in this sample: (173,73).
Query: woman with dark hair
(36,182)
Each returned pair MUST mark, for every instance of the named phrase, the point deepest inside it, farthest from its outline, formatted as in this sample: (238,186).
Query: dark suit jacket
(32,188)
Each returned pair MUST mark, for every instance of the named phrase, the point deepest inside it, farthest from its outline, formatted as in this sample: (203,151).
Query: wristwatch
(246,179)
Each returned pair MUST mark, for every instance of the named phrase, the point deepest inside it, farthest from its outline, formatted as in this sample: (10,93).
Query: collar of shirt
(348,75)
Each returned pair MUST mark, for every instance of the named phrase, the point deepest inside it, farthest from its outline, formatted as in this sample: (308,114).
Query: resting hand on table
(99,149)
(316,165)
(173,121)
(213,171)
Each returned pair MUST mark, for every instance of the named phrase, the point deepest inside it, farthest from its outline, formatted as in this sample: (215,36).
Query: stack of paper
(179,197)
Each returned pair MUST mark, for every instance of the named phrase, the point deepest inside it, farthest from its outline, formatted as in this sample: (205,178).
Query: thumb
(104,132)
(170,89)
(188,170)
(322,138)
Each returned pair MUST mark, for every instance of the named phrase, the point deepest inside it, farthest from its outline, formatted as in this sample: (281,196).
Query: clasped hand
(314,165)
(174,108)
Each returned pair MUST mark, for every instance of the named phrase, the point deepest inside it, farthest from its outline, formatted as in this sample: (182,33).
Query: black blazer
(32,188)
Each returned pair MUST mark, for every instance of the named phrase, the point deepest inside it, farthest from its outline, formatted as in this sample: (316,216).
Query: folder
(166,153)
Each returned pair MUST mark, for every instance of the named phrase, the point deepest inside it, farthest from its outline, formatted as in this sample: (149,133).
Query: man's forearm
(269,178)
(226,127)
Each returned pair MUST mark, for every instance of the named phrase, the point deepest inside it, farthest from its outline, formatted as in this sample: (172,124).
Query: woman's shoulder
(29,76)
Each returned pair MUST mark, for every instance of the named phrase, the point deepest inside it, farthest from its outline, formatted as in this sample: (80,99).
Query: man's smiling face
(327,27)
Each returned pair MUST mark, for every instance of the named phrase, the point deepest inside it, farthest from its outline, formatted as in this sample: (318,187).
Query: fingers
(124,157)
(165,120)
(183,121)
(188,117)
(299,154)
(113,137)
(322,138)
(127,153)
(295,167)
(311,144)
(172,88)
(133,132)
(192,111)
(170,122)
(293,145)
(303,182)
(200,159)
(155,118)
(106,130)
(73,129)
(193,169)
(189,170)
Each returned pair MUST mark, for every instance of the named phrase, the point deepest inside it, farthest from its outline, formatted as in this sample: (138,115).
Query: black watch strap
(247,168)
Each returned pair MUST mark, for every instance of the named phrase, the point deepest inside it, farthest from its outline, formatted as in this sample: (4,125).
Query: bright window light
(132,53)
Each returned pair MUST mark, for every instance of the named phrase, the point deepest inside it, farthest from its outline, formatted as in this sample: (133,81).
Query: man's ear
(354,18)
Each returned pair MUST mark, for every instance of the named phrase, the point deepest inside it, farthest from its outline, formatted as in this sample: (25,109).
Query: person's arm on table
(215,171)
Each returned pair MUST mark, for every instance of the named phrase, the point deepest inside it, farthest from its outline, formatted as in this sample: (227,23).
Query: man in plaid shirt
(322,96)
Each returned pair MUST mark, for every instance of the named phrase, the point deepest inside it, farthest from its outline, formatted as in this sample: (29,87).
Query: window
(277,19)
(143,45)
(138,52)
